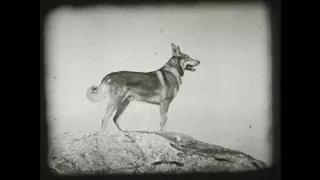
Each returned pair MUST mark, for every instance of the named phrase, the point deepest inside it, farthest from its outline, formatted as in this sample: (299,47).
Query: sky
(226,101)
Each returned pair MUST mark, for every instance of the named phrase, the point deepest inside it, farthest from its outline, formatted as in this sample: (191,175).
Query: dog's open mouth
(190,67)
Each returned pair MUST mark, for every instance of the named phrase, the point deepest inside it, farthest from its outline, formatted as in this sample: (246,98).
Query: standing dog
(156,87)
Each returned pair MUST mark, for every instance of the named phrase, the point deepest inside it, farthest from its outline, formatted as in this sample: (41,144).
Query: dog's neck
(174,71)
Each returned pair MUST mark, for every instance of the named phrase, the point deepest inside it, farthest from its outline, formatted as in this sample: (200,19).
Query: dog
(157,87)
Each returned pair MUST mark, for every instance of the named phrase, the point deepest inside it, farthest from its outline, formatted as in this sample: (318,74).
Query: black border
(46,6)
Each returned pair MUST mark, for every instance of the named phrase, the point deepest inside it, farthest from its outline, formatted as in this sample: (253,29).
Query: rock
(143,152)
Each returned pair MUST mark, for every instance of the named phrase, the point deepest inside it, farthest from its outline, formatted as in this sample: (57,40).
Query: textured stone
(143,152)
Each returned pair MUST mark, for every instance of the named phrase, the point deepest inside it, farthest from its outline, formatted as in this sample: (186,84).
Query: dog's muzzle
(191,64)
(190,68)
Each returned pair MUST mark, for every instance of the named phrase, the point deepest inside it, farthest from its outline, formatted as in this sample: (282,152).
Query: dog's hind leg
(111,108)
(164,106)
(121,108)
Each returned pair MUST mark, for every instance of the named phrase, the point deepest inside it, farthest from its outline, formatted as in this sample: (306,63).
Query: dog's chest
(175,91)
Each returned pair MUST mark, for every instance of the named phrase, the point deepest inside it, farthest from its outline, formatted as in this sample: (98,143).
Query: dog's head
(182,61)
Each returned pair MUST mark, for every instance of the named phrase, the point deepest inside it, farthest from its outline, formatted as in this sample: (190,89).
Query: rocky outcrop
(143,152)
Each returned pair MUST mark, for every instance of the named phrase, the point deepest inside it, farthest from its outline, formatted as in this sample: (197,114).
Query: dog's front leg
(164,106)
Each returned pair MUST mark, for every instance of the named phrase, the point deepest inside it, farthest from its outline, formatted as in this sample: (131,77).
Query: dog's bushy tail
(94,94)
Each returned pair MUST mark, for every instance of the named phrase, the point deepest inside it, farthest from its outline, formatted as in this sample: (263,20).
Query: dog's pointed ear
(178,50)
(175,50)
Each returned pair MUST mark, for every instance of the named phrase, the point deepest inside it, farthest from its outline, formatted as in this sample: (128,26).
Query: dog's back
(139,86)
(135,80)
